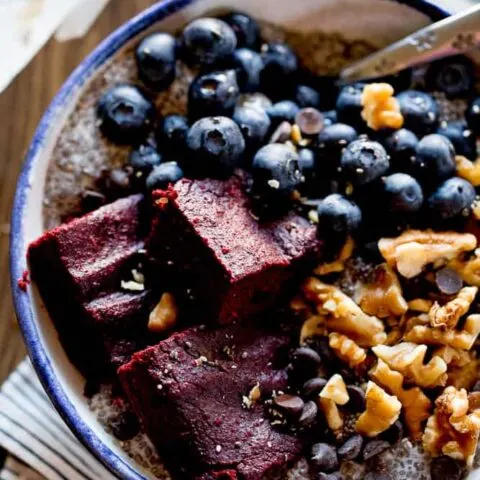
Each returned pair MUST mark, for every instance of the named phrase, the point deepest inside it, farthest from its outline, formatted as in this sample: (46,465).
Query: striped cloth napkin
(32,432)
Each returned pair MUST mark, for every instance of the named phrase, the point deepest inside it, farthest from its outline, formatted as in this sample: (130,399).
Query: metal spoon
(450,36)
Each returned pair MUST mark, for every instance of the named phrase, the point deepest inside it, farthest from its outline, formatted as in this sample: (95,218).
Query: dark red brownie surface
(188,392)
(232,264)
(78,268)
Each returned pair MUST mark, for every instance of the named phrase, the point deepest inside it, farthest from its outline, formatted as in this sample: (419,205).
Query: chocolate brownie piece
(78,268)
(189,393)
(232,264)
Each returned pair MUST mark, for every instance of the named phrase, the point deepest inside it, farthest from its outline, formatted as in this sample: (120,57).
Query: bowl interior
(377,22)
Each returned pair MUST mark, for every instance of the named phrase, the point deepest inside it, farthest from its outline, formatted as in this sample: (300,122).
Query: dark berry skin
(276,170)
(172,133)
(454,76)
(125,115)
(156,57)
(306,96)
(164,174)
(402,193)
(248,65)
(419,110)
(462,138)
(338,215)
(435,158)
(349,106)
(330,117)
(216,146)
(283,111)
(254,124)
(213,94)
(401,145)
(207,41)
(144,157)
(472,115)
(364,161)
(306,158)
(245,28)
(331,141)
(280,65)
(453,198)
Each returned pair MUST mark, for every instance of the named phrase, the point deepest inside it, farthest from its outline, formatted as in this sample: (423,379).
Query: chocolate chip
(324,457)
(448,281)
(290,405)
(306,359)
(445,468)
(309,414)
(282,133)
(357,398)
(351,449)
(310,121)
(91,200)
(329,476)
(314,386)
(393,434)
(115,183)
(378,476)
(374,448)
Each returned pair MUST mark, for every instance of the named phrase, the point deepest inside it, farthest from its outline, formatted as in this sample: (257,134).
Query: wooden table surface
(21,107)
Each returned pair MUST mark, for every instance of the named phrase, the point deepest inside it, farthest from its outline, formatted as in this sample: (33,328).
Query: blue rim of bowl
(104,51)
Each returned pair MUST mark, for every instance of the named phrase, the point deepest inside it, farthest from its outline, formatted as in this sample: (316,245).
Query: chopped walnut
(452,356)
(344,315)
(452,430)
(384,296)
(420,305)
(408,359)
(416,405)
(382,411)
(462,339)
(337,265)
(380,108)
(347,350)
(449,314)
(462,366)
(414,249)
(164,316)
(333,393)
(468,170)
(314,326)
(469,270)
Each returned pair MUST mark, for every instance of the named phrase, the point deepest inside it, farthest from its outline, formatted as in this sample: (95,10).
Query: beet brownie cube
(191,393)
(230,262)
(78,268)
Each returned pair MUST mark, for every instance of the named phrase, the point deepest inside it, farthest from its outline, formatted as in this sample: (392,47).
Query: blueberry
(208,41)
(419,110)
(455,76)
(125,115)
(306,96)
(284,111)
(213,94)
(164,174)
(280,65)
(462,138)
(364,161)
(306,158)
(216,146)
(337,214)
(445,468)
(403,193)
(435,158)
(324,457)
(156,57)
(473,115)
(254,100)
(245,28)
(349,106)
(172,133)
(332,140)
(248,65)
(330,117)
(276,170)
(144,157)
(453,198)
(254,123)
(401,146)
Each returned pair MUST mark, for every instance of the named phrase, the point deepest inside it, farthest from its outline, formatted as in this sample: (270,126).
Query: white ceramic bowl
(377,21)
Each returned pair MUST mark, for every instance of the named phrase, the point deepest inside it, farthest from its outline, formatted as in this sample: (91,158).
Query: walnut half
(333,393)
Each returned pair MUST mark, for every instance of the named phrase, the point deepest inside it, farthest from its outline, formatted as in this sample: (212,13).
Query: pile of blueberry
(252,105)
